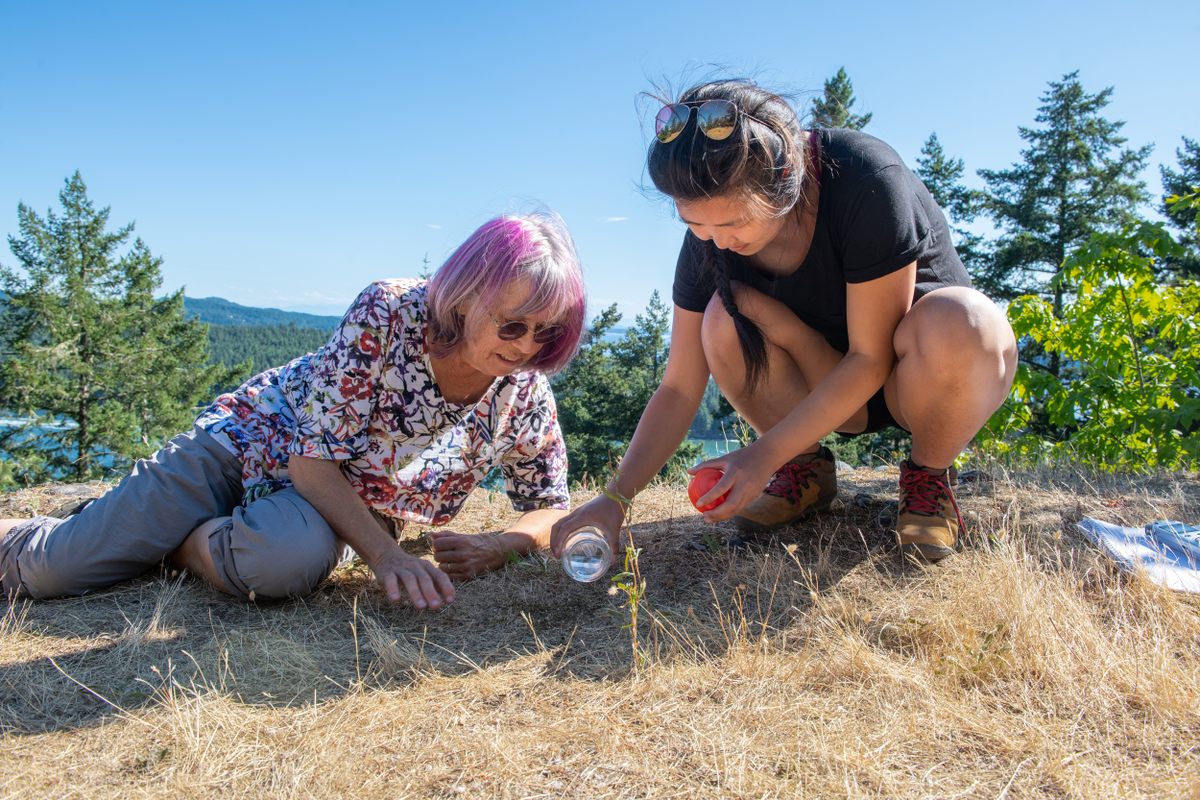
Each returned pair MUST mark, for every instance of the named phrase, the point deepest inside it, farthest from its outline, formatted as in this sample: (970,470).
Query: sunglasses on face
(714,118)
(515,329)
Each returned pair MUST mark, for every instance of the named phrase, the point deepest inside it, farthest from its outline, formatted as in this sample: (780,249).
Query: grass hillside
(812,665)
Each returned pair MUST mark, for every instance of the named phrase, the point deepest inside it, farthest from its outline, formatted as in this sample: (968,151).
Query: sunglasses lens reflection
(671,121)
(517,330)
(512,330)
(716,119)
(547,335)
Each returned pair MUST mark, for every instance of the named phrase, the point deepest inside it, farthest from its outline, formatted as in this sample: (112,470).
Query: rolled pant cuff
(11,546)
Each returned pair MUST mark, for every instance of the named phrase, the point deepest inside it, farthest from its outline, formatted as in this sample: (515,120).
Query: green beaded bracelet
(617,497)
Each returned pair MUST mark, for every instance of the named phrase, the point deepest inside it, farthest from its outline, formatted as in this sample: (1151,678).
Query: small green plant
(742,432)
(632,585)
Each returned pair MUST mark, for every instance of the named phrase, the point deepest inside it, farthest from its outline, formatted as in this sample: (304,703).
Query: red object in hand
(701,482)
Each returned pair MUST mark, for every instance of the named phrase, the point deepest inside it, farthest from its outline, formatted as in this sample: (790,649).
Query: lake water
(47,435)
(716,447)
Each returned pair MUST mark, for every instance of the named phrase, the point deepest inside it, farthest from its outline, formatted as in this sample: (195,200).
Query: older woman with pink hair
(424,387)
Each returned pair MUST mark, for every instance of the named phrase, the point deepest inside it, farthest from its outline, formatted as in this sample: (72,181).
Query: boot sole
(750,526)
(925,553)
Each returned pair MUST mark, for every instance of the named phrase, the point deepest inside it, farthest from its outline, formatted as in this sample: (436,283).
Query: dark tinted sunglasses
(714,118)
(515,329)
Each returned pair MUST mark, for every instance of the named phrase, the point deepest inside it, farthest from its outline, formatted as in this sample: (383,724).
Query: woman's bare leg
(798,358)
(956,358)
(195,557)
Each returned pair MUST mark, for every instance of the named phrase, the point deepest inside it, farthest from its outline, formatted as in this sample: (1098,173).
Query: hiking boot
(805,484)
(928,523)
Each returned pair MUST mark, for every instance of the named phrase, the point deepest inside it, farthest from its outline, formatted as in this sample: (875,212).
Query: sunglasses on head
(714,118)
(516,329)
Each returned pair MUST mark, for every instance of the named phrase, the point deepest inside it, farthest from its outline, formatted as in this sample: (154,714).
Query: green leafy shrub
(1128,393)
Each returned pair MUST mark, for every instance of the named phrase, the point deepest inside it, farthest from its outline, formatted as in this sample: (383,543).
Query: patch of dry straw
(813,665)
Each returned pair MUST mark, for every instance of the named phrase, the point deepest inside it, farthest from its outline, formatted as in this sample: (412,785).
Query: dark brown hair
(761,164)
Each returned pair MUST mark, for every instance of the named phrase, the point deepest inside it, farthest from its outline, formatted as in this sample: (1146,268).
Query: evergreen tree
(601,395)
(584,393)
(641,354)
(942,175)
(1183,217)
(833,109)
(715,418)
(107,370)
(1075,178)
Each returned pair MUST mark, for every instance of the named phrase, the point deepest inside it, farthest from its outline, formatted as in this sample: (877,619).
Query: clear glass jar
(586,555)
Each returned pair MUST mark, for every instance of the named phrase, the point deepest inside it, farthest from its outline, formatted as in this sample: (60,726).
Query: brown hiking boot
(928,522)
(805,484)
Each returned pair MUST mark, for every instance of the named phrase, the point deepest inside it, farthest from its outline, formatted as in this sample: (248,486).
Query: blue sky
(285,154)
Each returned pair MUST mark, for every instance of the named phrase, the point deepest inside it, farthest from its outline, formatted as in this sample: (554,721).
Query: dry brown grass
(815,665)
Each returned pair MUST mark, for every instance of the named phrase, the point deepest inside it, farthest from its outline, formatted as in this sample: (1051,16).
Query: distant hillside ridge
(219,311)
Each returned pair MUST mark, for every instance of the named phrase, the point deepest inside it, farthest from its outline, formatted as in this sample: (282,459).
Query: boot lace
(789,480)
(923,493)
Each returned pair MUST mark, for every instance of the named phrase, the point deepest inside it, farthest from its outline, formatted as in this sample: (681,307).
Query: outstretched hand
(464,556)
(399,573)
(744,478)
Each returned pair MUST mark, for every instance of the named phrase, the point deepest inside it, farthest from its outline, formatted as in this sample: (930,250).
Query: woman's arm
(466,555)
(663,425)
(873,311)
(322,484)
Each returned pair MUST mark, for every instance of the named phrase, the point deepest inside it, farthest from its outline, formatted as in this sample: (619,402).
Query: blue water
(716,447)
(47,435)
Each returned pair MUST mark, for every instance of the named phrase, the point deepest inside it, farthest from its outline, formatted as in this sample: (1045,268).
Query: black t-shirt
(874,216)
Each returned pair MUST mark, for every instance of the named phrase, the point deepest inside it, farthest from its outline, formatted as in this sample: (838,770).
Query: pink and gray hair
(536,247)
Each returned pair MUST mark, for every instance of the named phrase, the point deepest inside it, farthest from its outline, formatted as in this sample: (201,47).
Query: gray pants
(278,546)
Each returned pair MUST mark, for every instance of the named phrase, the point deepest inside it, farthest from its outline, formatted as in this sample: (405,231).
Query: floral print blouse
(368,400)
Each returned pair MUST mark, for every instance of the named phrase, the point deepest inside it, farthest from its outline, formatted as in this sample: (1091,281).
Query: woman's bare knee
(954,327)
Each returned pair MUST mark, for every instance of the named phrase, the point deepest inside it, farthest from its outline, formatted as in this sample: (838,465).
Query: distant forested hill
(265,345)
(219,311)
(266,337)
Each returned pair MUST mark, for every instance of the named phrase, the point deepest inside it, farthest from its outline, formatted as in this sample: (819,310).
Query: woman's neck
(459,382)
(787,251)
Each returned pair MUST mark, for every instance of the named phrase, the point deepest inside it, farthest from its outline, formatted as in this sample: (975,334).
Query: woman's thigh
(955,333)
(279,546)
(130,529)
(798,357)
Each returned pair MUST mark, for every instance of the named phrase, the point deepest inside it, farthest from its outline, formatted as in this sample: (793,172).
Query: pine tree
(833,109)
(602,394)
(108,371)
(943,177)
(1182,217)
(1075,178)
(584,393)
